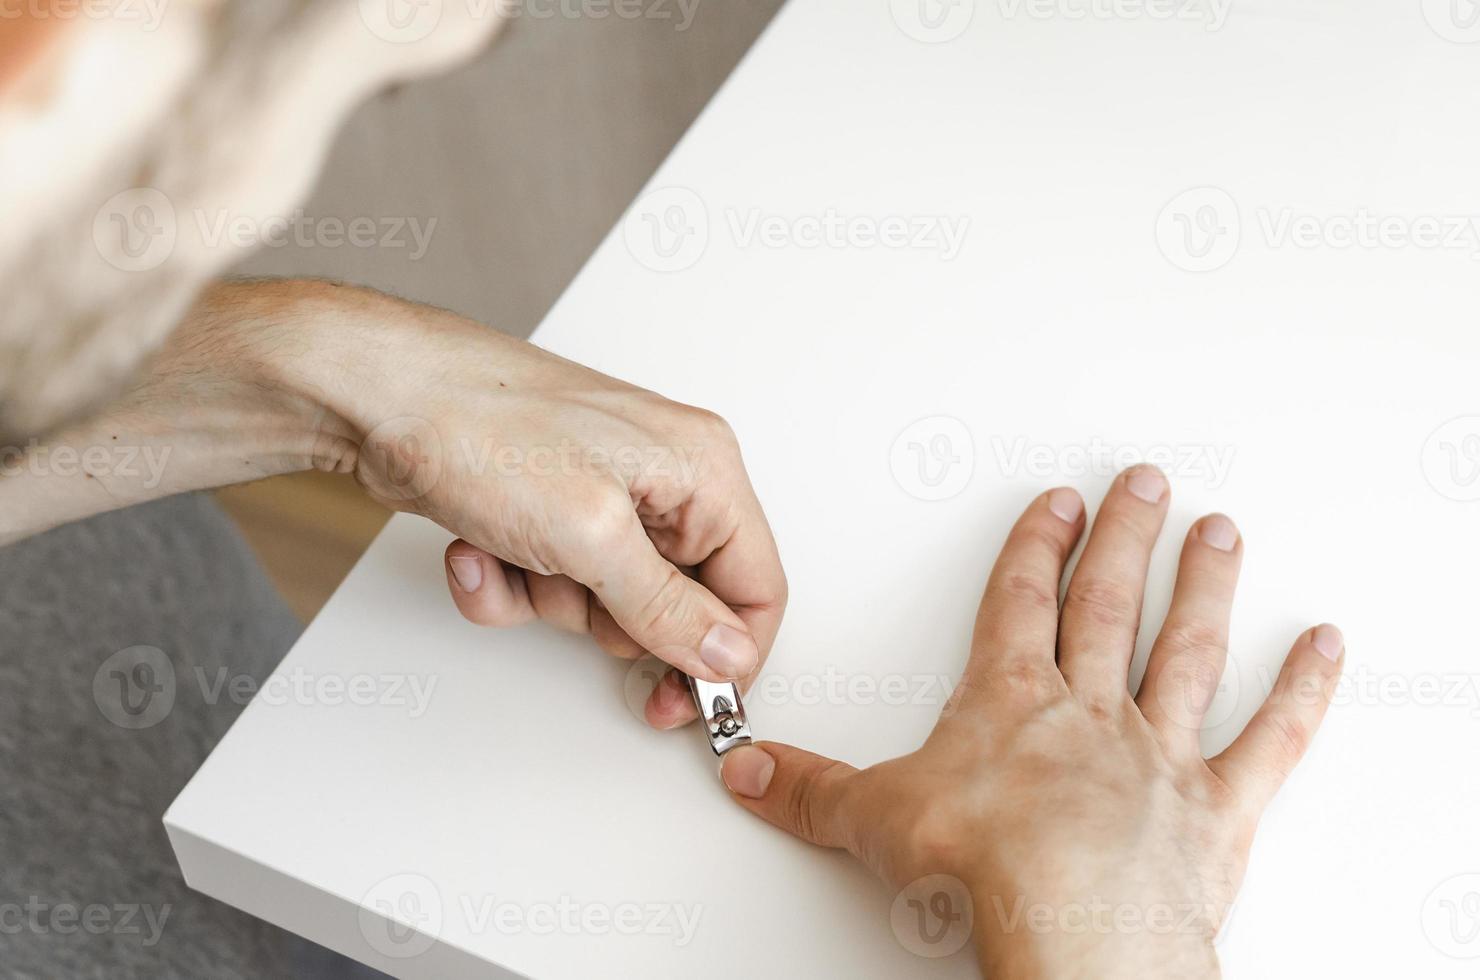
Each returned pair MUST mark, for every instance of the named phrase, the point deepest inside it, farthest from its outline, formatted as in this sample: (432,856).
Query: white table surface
(1325,396)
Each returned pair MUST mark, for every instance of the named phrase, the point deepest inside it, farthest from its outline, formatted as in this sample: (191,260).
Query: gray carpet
(93,749)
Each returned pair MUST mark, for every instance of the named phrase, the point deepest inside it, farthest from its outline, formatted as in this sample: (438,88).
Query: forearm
(212,410)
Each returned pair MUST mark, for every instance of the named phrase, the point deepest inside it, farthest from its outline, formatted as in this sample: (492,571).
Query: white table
(1324,394)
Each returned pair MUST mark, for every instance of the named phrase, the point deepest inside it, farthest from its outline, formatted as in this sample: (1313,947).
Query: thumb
(667,613)
(803,794)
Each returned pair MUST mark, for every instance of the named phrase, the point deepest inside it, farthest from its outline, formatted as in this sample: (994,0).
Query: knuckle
(1021,679)
(710,429)
(669,608)
(934,835)
(1123,525)
(603,522)
(803,807)
(1290,739)
(1038,536)
(1024,589)
(1104,601)
(1190,638)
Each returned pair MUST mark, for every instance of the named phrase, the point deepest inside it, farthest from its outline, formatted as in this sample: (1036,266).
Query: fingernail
(1328,641)
(1219,532)
(468,571)
(728,652)
(1147,483)
(668,698)
(1065,504)
(748,771)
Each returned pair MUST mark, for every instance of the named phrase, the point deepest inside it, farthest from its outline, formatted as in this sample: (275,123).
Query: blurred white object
(165,140)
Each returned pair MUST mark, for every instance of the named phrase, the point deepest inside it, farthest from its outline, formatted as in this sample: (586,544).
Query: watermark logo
(138,230)
(1099,917)
(639,683)
(1194,694)
(1451,917)
(567,916)
(1199,230)
(401,916)
(668,230)
(401,21)
(1213,14)
(148,14)
(932,916)
(224,228)
(1206,464)
(146,464)
(135,230)
(1451,459)
(135,688)
(1454,20)
(934,458)
(401,459)
(943,234)
(39,917)
(933,21)
(138,687)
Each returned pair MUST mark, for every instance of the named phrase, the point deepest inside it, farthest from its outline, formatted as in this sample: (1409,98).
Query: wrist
(352,353)
(1024,935)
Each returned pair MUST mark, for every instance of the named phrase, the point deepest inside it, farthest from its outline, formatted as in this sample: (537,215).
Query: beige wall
(525,158)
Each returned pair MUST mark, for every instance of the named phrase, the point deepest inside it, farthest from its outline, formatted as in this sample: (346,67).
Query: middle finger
(1102,607)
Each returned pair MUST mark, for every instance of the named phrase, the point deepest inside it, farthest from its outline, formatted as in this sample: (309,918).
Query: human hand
(581,500)
(1046,786)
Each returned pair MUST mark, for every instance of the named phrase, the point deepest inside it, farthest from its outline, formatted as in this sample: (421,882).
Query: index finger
(742,569)
(745,573)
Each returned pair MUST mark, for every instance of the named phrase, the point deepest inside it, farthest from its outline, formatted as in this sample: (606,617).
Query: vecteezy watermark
(404,914)
(933,916)
(139,229)
(1454,20)
(138,687)
(1212,14)
(404,458)
(677,465)
(933,21)
(401,916)
(136,230)
(144,464)
(1098,917)
(839,688)
(135,687)
(1208,465)
(1203,229)
(829,686)
(39,917)
(1361,686)
(830,228)
(1451,459)
(148,14)
(1199,230)
(933,458)
(413,692)
(1450,918)
(669,230)
(409,21)
(1194,692)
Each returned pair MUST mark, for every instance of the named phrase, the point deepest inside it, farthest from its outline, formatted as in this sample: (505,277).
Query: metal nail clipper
(723,715)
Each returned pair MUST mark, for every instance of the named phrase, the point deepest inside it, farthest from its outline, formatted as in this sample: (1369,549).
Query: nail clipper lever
(723,715)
